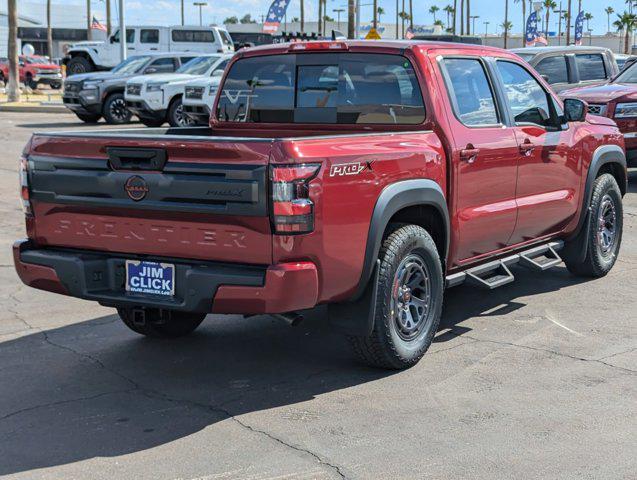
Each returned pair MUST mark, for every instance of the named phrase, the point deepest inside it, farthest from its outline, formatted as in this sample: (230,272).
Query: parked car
(158,99)
(34,70)
(94,95)
(251,39)
(367,176)
(91,56)
(568,67)
(617,100)
(199,95)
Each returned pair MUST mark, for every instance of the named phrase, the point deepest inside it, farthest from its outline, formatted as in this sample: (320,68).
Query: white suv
(157,99)
(199,95)
(85,57)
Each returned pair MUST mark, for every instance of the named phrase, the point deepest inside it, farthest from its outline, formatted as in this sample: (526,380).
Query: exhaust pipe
(291,318)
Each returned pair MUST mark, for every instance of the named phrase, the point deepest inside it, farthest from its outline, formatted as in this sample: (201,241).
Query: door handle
(469,154)
(526,147)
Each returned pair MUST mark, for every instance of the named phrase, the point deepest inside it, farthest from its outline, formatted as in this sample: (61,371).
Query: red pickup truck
(368,176)
(33,71)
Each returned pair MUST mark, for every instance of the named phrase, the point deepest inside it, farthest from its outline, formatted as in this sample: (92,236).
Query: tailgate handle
(136,158)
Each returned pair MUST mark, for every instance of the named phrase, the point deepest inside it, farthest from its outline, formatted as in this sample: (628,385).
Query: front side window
(590,66)
(166,65)
(131,65)
(347,88)
(627,76)
(198,65)
(527,99)
(149,35)
(470,92)
(130,36)
(193,36)
(553,69)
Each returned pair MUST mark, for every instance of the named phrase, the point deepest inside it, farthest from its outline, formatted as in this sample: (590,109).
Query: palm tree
(411,14)
(628,21)
(468,17)
(380,11)
(455,7)
(619,26)
(89,32)
(49,30)
(13,86)
(448,9)
(506,25)
(302,14)
(108,18)
(549,5)
(433,9)
(588,17)
(375,19)
(404,16)
(351,18)
(461,17)
(523,2)
(609,11)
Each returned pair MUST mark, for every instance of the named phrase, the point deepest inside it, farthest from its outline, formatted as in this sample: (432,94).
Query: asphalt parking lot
(535,380)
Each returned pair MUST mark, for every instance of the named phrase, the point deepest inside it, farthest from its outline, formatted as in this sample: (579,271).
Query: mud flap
(357,317)
(576,249)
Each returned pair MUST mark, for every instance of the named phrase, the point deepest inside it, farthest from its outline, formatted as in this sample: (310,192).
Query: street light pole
(122,32)
(473,23)
(338,12)
(486,28)
(200,5)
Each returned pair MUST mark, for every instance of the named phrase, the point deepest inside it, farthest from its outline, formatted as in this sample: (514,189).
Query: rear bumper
(199,286)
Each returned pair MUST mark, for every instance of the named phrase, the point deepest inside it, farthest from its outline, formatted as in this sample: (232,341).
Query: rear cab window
(326,88)
(590,66)
(193,36)
(554,69)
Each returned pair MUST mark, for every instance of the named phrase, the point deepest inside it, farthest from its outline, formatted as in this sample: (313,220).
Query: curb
(34,109)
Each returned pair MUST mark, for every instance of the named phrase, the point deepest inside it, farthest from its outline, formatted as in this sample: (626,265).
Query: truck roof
(558,48)
(398,45)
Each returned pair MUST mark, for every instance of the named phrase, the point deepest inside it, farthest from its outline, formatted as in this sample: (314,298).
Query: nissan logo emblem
(136,188)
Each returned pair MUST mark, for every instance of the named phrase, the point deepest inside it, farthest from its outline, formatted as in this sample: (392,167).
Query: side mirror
(575,110)
(111,39)
(217,73)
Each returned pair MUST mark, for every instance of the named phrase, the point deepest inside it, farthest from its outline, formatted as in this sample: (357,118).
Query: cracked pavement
(537,379)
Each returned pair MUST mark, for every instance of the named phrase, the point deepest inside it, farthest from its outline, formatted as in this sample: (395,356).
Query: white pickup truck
(199,95)
(85,57)
(156,99)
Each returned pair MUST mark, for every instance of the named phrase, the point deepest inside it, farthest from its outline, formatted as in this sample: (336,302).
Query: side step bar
(497,273)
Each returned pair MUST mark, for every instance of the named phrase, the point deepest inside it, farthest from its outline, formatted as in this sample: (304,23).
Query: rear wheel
(160,324)
(32,84)
(79,65)
(115,111)
(176,115)
(88,118)
(604,233)
(408,302)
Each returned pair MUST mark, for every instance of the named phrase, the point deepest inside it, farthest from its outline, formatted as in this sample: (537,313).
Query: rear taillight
(25,195)
(292,209)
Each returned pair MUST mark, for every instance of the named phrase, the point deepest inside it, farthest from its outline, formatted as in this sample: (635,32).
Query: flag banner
(96,25)
(532,36)
(579,28)
(275,15)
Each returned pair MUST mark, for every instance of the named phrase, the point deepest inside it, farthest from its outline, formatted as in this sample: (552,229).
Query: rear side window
(225,38)
(347,88)
(590,66)
(470,92)
(193,36)
(554,69)
(149,35)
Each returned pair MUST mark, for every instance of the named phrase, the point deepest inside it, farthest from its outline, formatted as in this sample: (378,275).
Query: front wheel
(161,324)
(604,233)
(176,115)
(115,111)
(408,301)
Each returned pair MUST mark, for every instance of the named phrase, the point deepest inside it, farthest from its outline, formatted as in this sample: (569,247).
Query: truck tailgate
(206,198)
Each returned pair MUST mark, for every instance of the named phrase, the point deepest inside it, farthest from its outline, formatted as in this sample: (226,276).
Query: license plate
(150,278)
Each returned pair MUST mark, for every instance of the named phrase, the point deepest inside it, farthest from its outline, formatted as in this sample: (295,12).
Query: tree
(411,14)
(247,18)
(627,21)
(380,11)
(231,20)
(523,2)
(13,87)
(506,25)
(588,17)
(109,25)
(49,30)
(468,17)
(440,23)
(433,10)
(548,5)
(461,17)
(89,31)
(609,11)
(448,10)
(295,19)
(404,16)
(455,9)
(375,11)
(568,22)
(302,13)
(351,18)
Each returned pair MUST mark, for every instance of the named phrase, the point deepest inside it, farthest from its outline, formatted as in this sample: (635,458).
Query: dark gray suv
(568,67)
(94,95)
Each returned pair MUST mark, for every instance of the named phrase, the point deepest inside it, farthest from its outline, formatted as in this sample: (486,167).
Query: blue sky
(164,12)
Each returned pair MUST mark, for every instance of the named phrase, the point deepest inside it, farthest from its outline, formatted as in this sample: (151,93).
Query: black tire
(393,344)
(176,115)
(79,65)
(33,85)
(604,233)
(152,122)
(56,86)
(88,118)
(169,325)
(114,110)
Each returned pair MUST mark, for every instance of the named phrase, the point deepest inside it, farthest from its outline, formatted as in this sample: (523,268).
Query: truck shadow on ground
(95,389)
(632,181)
